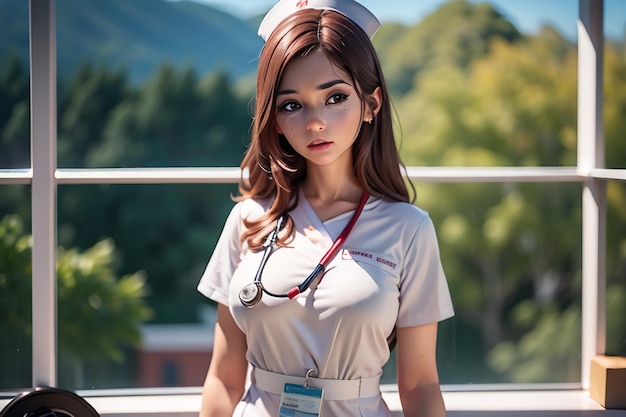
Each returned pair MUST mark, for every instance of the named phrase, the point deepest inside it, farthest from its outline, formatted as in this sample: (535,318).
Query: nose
(315,122)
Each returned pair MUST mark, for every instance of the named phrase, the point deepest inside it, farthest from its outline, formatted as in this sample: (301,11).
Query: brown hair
(273,168)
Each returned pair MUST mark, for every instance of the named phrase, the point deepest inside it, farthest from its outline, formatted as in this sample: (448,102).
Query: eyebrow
(323,86)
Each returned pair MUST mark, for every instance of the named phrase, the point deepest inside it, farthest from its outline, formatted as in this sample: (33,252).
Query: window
(578,189)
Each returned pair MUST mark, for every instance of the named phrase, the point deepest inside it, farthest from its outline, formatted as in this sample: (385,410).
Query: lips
(319,144)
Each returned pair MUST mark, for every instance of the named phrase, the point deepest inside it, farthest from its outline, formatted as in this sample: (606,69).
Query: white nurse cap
(349,8)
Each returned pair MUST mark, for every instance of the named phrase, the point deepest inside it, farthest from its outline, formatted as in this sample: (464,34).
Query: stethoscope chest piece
(251,294)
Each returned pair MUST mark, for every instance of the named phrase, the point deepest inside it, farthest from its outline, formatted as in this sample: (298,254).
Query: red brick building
(175,355)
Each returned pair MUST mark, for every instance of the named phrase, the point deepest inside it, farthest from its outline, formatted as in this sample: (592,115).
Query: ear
(373,103)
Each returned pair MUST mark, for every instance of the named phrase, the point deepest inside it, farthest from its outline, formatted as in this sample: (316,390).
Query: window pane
(168,87)
(140,96)
(14,81)
(15,288)
(615,83)
(481,85)
(130,259)
(616,269)
(511,253)
(519,293)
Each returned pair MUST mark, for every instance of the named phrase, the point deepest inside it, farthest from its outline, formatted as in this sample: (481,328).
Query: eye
(289,106)
(337,98)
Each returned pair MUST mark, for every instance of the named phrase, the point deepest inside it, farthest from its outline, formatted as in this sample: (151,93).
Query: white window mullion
(590,157)
(43,161)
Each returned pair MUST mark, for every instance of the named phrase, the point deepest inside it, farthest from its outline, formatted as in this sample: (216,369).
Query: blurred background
(156,83)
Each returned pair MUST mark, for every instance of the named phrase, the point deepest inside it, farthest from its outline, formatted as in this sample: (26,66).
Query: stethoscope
(251,294)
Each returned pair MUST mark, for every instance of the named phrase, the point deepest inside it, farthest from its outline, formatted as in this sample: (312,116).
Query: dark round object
(48,402)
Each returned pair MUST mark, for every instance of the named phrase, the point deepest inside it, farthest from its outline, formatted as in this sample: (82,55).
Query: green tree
(14,115)
(454,35)
(615,103)
(528,359)
(15,297)
(86,105)
(614,128)
(545,349)
(515,107)
(99,313)
(512,251)
(176,120)
(503,243)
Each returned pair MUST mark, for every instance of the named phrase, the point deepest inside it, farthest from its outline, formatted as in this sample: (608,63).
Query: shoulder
(406,214)
(408,222)
(243,210)
(250,208)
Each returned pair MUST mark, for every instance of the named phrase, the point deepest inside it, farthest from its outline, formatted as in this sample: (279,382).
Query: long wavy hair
(271,169)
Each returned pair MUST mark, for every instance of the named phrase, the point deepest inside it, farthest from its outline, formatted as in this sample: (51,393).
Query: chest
(358,285)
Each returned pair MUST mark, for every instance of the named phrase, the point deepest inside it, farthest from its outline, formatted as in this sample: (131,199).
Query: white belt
(334,389)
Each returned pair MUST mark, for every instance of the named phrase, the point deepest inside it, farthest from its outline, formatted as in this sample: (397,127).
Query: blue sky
(527,15)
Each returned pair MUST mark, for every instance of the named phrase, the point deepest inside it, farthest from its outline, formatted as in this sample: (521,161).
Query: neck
(327,186)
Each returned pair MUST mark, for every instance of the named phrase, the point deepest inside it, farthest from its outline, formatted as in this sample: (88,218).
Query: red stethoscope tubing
(345,232)
(332,251)
(251,294)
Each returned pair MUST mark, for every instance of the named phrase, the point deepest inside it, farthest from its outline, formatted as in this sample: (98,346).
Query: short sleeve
(224,260)
(424,293)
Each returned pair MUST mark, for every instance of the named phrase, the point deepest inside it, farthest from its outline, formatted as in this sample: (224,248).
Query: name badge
(300,401)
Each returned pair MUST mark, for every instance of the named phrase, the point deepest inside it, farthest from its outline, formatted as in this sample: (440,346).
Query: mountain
(138,35)
(141,35)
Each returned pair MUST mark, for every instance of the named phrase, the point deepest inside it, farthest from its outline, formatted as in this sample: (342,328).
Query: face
(318,110)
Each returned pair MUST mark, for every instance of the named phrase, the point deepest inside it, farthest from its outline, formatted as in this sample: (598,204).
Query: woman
(324,257)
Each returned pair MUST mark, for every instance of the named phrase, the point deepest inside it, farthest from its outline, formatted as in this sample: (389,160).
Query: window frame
(45,177)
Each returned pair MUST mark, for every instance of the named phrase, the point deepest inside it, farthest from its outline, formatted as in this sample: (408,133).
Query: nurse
(323,259)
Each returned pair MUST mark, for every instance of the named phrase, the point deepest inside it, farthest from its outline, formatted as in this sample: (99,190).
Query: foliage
(86,105)
(15,298)
(616,267)
(514,107)
(528,359)
(111,308)
(454,35)
(14,115)
(175,120)
(511,248)
(614,104)
(98,313)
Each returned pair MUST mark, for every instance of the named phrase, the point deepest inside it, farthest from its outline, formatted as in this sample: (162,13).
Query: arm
(418,379)
(225,380)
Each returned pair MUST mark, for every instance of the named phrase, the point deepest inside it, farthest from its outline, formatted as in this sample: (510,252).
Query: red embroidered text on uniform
(386,262)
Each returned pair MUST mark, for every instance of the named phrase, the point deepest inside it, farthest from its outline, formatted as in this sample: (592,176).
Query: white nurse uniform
(388,273)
